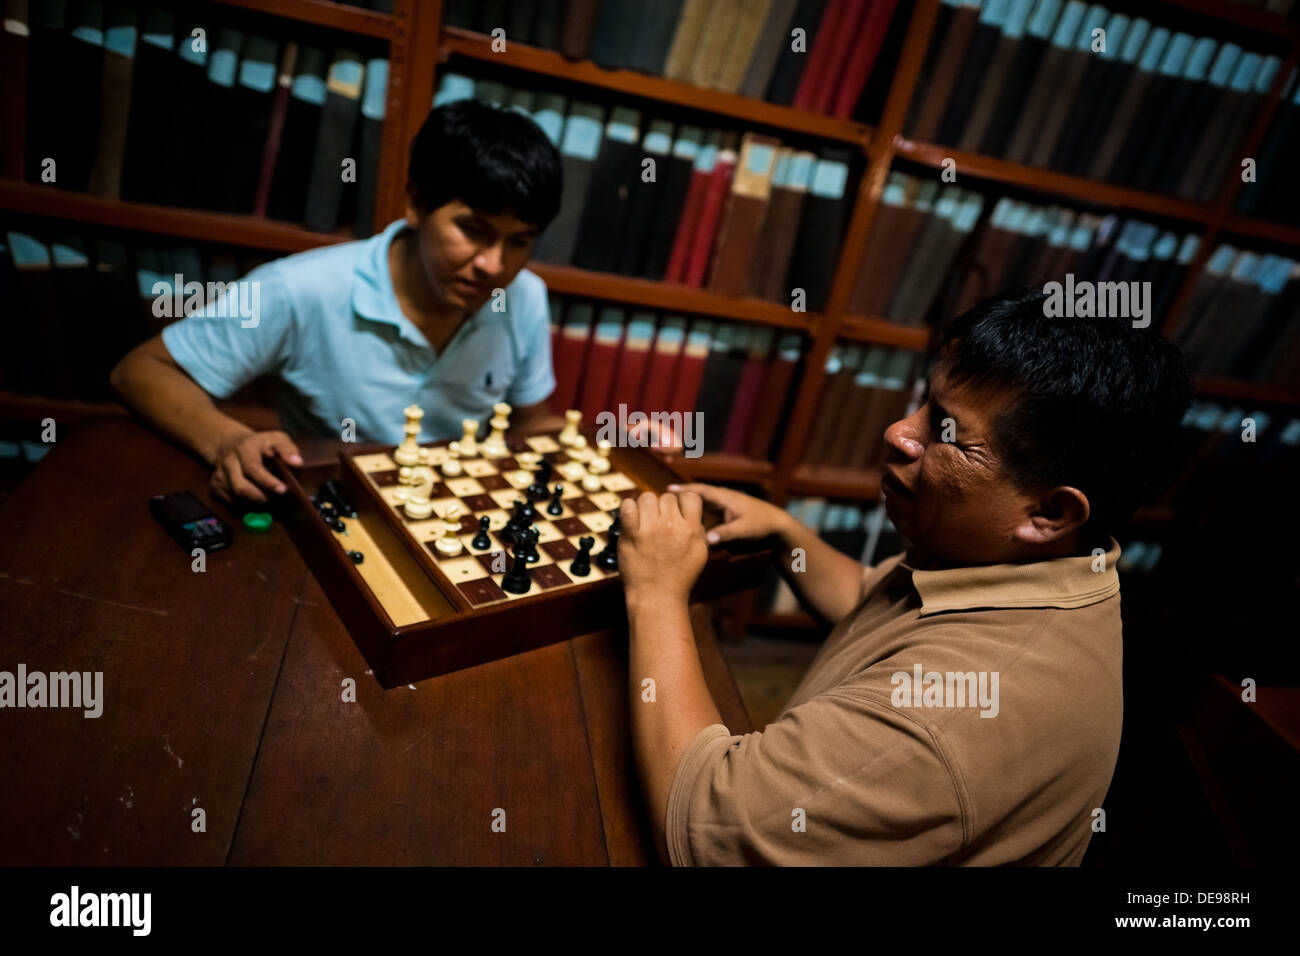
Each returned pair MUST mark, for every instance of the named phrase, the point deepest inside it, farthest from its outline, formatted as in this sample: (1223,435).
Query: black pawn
(541,477)
(528,541)
(555,508)
(517,580)
(528,512)
(481,541)
(517,520)
(608,559)
(581,566)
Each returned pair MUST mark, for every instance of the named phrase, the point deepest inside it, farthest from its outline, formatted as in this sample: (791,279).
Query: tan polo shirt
(963,716)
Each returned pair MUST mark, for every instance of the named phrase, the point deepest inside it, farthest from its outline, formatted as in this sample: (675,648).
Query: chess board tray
(413,617)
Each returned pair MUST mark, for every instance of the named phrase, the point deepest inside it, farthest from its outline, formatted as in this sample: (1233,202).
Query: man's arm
(159,391)
(660,554)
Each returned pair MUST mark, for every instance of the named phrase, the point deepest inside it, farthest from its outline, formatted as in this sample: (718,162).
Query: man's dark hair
(490,158)
(1097,402)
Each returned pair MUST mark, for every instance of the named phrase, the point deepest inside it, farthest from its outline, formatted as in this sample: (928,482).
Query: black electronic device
(188,520)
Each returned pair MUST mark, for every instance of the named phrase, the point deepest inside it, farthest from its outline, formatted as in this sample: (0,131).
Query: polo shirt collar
(373,297)
(1060,582)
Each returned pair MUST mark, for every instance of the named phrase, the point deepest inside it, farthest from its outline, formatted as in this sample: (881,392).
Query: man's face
(466,253)
(952,498)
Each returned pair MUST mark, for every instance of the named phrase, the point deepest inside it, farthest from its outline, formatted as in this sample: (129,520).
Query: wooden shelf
(337,16)
(1217,386)
(654,294)
(720,467)
(877,331)
(478,46)
(197,224)
(1059,184)
(1262,229)
(1253,18)
(855,484)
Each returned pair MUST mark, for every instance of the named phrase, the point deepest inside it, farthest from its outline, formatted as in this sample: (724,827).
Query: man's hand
(238,470)
(661,550)
(743,516)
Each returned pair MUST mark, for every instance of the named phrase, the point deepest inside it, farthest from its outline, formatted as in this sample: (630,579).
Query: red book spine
(832,78)
(863,59)
(690,373)
(819,55)
(657,391)
(744,403)
(602,359)
(686,226)
(570,353)
(275,129)
(632,365)
(710,217)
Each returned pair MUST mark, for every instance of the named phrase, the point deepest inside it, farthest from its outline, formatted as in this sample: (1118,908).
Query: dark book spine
(13,97)
(790,66)
(153,91)
(80,83)
(676,170)
(253,96)
(114,100)
(975,64)
(579,146)
(825,210)
(288,199)
(334,141)
(613,178)
(371,132)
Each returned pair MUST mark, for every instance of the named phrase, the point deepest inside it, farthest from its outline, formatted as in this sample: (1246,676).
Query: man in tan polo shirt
(967,706)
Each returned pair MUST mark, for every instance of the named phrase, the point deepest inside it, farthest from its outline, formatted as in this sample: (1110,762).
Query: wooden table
(223,691)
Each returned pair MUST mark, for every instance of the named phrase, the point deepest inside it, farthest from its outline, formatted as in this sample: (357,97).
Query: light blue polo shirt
(329,328)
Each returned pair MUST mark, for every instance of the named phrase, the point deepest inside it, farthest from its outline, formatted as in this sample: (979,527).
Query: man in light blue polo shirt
(436,310)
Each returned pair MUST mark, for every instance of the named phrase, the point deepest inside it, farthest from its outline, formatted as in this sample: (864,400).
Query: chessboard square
(496,519)
(547,532)
(376,462)
(518,479)
(482,591)
(493,482)
(571,526)
(506,464)
(478,503)
(477,468)
(464,487)
(462,569)
(384,479)
(533,589)
(617,481)
(550,576)
(505,498)
(436,456)
(496,561)
(561,550)
(605,500)
(597,521)
(581,506)
(425,530)
(570,490)
(543,443)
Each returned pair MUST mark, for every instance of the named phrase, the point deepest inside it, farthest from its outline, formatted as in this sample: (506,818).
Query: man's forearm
(169,400)
(829,579)
(671,702)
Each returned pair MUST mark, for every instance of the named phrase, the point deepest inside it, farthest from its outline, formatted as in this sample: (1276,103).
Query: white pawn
(451,467)
(418,508)
(600,464)
(570,431)
(408,452)
(469,444)
(405,479)
(495,445)
(591,482)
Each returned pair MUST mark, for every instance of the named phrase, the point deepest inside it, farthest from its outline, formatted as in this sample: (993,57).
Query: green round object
(258,522)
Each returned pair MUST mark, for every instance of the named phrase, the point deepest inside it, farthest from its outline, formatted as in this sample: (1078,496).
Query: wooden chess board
(415,613)
(489,487)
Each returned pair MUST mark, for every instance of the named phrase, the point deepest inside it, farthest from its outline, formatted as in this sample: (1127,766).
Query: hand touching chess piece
(238,469)
(743,516)
(662,548)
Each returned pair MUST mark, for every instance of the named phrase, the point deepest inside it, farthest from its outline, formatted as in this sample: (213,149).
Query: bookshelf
(420,45)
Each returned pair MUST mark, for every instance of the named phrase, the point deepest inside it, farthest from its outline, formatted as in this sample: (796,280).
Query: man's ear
(1056,514)
(414,203)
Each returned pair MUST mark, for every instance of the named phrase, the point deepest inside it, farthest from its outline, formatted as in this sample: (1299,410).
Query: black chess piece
(608,559)
(356,556)
(517,580)
(541,478)
(528,541)
(481,541)
(332,491)
(555,508)
(581,566)
(517,521)
(529,512)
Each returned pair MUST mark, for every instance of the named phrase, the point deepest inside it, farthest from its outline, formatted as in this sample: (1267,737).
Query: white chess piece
(591,482)
(469,444)
(600,464)
(578,449)
(449,543)
(495,444)
(451,467)
(405,479)
(418,508)
(569,432)
(408,452)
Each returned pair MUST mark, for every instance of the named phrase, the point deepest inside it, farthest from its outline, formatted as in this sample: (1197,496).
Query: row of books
(867,388)
(1032,81)
(1272,194)
(58,344)
(1285,8)
(931,250)
(1229,453)
(142,103)
(816,55)
(1243,319)
(741,379)
(735,214)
